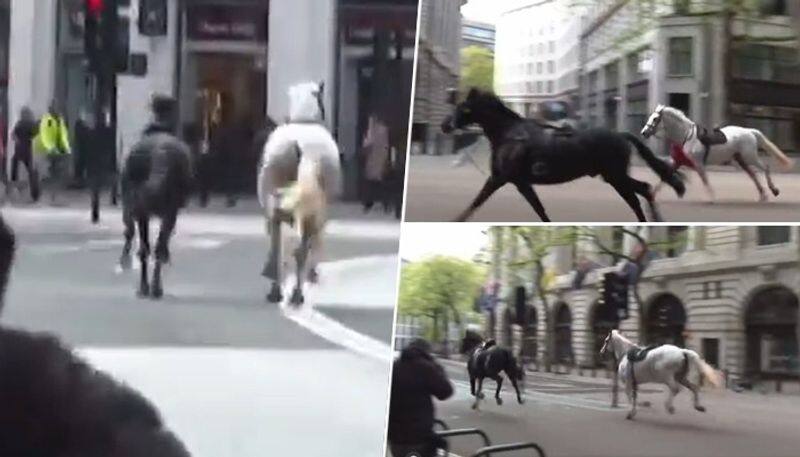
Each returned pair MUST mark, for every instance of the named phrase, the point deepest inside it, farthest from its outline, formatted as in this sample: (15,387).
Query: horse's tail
(772,149)
(706,370)
(662,169)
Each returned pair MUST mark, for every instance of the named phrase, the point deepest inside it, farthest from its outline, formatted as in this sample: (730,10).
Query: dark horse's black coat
(523,154)
(487,360)
(53,404)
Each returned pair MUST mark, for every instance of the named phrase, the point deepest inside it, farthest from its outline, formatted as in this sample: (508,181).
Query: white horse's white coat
(741,142)
(302,156)
(660,366)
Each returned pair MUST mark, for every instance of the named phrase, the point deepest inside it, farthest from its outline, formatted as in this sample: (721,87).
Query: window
(551,66)
(550,87)
(676,240)
(637,114)
(612,75)
(539,67)
(769,235)
(681,6)
(766,63)
(639,65)
(680,56)
(773,7)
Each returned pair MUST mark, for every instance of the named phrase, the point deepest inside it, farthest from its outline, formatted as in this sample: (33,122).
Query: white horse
(664,364)
(740,145)
(300,173)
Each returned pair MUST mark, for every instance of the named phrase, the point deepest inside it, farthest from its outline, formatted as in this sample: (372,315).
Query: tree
(477,68)
(437,288)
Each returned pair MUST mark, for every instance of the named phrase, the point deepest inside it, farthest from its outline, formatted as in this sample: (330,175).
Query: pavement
(232,375)
(438,191)
(570,416)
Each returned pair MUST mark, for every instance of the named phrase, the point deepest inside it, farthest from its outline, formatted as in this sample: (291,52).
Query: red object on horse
(680,157)
(95,7)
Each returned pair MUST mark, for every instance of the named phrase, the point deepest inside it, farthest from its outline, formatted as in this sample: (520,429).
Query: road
(437,191)
(570,417)
(232,375)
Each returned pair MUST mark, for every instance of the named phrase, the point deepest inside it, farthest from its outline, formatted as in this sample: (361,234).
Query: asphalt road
(437,191)
(257,375)
(571,417)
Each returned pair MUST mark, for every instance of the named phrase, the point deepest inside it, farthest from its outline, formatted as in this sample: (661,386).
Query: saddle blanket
(637,354)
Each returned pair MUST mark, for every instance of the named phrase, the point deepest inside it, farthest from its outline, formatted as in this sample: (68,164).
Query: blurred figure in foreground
(416,378)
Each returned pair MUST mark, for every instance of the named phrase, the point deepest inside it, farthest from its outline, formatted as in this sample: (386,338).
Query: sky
(421,240)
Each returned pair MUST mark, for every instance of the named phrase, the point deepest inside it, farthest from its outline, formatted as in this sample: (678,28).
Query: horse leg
(472,385)
(763,166)
(660,184)
(630,391)
(144,253)
(301,255)
(530,196)
(704,177)
(478,394)
(672,390)
(130,230)
(625,189)
(762,196)
(489,187)
(162,252)
(695,393)
(516,389)
(644,189)
(314,252)
(272,267)
(499,380)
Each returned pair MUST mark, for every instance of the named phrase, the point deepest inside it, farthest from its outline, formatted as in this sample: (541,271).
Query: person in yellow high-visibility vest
(53,142)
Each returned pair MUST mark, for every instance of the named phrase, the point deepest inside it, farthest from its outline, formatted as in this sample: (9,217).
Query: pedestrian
(376,160)
(82,135)
(53,141)
(25,130)
(416,377)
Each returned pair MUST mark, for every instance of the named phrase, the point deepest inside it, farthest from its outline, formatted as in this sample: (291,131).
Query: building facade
(476,33)
(438,68)
(230,64)
(729,293)
(635,55)
(537,54)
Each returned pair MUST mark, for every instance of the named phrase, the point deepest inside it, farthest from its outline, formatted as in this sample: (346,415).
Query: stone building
(729,293)
(438,68)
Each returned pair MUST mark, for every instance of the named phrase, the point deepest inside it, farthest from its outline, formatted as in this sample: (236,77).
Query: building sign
(227,23)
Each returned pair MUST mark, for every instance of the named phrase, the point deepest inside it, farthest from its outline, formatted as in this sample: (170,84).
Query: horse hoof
(702,409)
(629,417)
(275,295)
(297,298)
(475,406)
(144,292)
(762,198)
(671,409)
(313,276)
(776,192)
(499,401)
(125,262)
(520,401)
(481,395)
(157,292)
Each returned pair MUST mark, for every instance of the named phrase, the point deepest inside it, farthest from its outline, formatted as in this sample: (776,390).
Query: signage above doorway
(227,23)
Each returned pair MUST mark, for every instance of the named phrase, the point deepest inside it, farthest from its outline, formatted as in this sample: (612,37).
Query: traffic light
(105,36)
(92,14)
(153,17)
(614,293)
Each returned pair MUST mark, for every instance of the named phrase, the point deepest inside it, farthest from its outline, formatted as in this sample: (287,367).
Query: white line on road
(330,329)
(585,403)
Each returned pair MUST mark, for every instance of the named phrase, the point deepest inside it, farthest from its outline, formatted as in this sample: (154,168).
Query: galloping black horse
(487,360)
(523,154)
(156,181)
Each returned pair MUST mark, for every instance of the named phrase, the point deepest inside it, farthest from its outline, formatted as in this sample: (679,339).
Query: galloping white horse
(300,173)
(741,145)
(664,364)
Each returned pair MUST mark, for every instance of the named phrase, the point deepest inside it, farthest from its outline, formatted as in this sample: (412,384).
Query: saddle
(708,139)
(637,354)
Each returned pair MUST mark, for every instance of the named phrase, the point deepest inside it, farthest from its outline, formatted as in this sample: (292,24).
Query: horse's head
(306,102)
(606,344)
(472,109)
(651,127)
(470,341)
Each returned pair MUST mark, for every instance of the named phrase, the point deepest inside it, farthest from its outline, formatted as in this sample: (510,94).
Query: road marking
(325,327)
(586,403)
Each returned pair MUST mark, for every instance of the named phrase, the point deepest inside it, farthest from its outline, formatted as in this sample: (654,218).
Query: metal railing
(500,448)
(488,449)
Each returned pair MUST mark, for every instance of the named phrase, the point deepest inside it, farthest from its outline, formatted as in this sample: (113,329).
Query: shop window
(769,235)
(676,240)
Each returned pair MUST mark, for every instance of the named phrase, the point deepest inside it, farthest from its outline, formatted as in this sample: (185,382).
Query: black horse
(55,404)
(487,360)
(523,154)
(156,180)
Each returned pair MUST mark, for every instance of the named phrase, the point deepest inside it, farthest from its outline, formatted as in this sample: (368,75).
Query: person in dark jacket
(25,130)
(416,377)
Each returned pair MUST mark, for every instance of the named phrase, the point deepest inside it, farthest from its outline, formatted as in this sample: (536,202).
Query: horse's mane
(675,112)
(491,99)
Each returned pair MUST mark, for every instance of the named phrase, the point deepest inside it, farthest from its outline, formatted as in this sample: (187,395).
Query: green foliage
(477,68)
(438,285)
